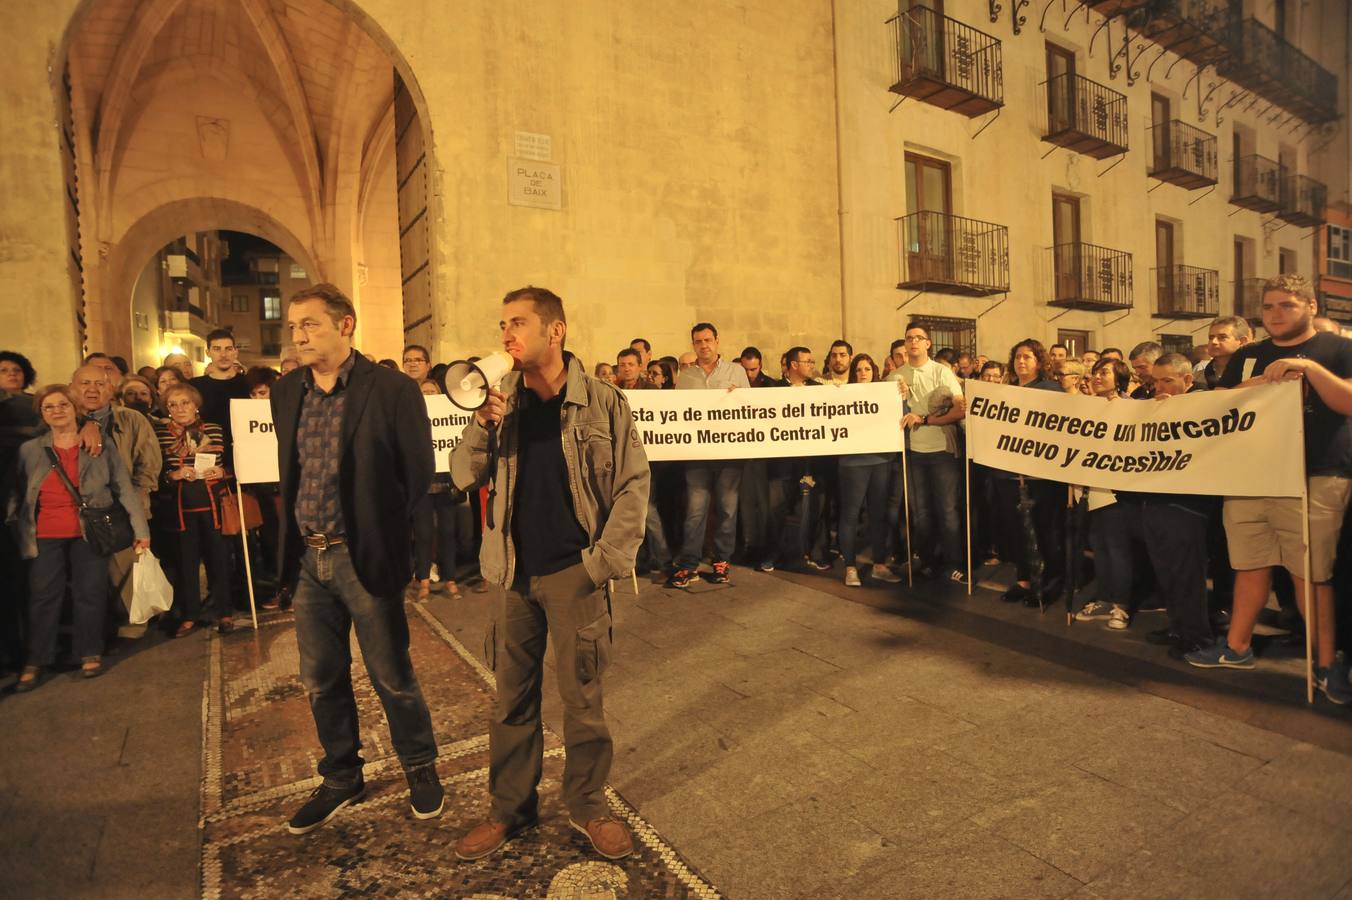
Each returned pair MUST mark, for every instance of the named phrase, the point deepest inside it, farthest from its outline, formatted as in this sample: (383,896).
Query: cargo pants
(569,611)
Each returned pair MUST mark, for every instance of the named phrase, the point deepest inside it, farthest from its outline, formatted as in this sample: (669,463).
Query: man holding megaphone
(571,496)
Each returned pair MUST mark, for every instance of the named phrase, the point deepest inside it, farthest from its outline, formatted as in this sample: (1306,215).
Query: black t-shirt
(216,396)
(545,529)
(1328,441)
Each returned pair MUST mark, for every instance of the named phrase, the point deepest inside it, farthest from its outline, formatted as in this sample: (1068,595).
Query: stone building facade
(659,165)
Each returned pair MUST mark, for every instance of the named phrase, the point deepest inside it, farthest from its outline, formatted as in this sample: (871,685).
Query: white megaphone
(468,383)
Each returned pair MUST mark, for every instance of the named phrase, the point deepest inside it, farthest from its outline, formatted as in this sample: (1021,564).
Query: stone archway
(276,115)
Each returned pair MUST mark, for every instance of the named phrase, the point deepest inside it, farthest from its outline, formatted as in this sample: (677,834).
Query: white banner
(757,423)
(256,444)
(1239,443)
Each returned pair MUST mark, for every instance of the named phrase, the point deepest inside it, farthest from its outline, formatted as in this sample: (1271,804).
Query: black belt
(324,541)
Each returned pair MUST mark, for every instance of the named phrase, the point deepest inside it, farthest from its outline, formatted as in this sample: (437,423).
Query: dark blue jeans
(723,481)
(936,522)
(1110,533)
(857,484)
(434,535)
(329,603)
(61,562)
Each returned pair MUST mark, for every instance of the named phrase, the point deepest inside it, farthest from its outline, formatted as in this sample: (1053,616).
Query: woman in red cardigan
(189,503)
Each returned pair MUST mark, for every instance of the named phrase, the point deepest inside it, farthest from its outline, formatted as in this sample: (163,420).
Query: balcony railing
(946,63)
(1088,277)
(1194,29)
(953,255)
(1261,61)
(1086,117)
(1258,184)
(1303,200)
(1183,155)
(1187,292)
(1248,296)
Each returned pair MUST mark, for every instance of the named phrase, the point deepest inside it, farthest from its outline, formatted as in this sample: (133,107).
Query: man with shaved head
(130,435)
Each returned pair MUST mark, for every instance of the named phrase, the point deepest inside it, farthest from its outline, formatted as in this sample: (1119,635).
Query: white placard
(256,442)
(1238,443)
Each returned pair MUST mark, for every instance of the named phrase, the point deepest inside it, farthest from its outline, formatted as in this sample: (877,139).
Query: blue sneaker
(1332,681)
(1220,656)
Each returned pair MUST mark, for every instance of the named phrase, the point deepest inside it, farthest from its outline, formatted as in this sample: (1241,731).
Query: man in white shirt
(934,398)
(722,478)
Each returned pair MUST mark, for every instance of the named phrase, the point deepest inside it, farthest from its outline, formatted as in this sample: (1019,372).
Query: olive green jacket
(607,476)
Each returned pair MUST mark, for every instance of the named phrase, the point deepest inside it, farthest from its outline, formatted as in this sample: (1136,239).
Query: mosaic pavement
(259,758)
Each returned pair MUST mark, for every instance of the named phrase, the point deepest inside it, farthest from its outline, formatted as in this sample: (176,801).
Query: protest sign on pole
(1210,442)
(256,443)
(768,422)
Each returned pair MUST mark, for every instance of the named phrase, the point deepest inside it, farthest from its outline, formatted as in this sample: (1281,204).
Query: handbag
(253,515)
(106,528)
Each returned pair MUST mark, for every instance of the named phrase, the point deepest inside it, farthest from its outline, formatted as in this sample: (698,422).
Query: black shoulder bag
(106,528)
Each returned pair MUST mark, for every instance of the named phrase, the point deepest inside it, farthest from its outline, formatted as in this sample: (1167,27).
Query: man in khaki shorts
(1263,532)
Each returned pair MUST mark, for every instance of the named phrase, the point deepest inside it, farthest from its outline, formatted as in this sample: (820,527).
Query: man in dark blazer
(354,449)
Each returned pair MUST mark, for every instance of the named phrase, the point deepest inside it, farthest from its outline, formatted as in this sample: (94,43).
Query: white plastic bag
(151,592)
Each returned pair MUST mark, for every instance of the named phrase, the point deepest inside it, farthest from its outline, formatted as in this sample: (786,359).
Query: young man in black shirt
(222,383)
(1263,532)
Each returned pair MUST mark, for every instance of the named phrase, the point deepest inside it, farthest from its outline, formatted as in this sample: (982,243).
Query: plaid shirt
(319,442)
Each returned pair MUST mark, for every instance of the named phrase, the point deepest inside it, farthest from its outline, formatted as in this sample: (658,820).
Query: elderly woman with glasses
(51,533)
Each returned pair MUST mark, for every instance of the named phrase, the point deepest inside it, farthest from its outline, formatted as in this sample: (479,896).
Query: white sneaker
(852,577)
(1117,619)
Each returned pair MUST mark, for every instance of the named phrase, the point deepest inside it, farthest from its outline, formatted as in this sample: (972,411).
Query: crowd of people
(1210,563)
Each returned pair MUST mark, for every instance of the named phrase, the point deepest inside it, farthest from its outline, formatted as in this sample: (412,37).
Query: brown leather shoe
(608,836)
(485,838)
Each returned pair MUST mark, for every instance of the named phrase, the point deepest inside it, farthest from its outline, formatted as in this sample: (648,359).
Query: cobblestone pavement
(259,761)
(790,737)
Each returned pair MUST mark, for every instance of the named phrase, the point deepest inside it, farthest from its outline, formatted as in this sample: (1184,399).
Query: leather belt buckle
(322,542)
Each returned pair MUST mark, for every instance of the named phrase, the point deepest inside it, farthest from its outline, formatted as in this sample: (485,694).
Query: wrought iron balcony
(1303,200)
(1248,296)
(953,255)
(1086,117)
(946,63)
(1187,292)
(1260,60)
(1183,155)
(1258,184)
(1194,29)
(1088,277)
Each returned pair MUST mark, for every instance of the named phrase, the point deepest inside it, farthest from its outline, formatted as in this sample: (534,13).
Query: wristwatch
(925,419)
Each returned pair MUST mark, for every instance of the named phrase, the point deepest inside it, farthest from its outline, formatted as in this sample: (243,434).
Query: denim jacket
(607,476)
(103,481)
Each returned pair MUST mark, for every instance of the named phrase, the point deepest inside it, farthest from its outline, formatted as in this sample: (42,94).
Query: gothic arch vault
(297,120)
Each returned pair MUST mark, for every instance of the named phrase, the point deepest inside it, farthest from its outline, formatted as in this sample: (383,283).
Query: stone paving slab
(951,753)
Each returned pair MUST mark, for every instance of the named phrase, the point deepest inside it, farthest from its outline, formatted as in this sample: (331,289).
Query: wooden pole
(1311,633)
(968,462)
(248,565)
(906,506)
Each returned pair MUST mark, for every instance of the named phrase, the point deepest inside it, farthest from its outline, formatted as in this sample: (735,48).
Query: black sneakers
(323,805)
(425,794)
